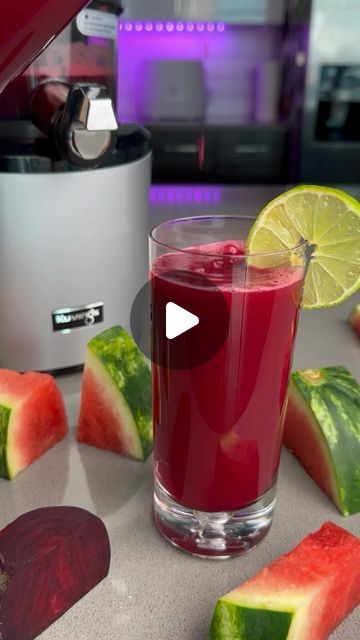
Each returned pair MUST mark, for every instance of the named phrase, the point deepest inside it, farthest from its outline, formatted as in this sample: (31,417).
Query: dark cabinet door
(179,153)
(251,154)
(246,154)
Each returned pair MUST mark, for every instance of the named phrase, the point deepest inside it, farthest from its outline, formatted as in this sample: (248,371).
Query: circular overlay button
(180,319)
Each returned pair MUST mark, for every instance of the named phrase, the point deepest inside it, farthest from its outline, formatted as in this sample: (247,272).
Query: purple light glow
(172,26)
(184,195)
(96,41)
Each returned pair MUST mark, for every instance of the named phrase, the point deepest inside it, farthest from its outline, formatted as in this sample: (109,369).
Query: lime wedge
(329,220)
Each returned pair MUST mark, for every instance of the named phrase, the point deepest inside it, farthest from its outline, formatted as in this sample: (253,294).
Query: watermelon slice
(49,559)
(32,419)
(303,595)
(354,319)
(115,410)
(322,429)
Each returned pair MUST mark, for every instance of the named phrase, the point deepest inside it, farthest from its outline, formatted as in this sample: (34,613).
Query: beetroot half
(49,559)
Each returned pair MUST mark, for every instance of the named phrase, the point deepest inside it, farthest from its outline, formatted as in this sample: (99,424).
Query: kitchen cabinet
(216,153)
(251,11)
(251,154)
(231,11)
(149,10)
(178,152)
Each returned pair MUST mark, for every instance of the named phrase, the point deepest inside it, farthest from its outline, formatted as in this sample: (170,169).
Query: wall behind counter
(229,58)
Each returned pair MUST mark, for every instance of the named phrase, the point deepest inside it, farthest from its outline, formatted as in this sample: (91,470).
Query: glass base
(221,534)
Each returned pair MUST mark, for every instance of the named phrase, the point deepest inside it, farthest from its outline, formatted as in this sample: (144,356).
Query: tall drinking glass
(218,417)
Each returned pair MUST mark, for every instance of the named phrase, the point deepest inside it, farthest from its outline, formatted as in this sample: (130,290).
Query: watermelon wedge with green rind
(303,595)
(322,429)
(115,411)
(32,419)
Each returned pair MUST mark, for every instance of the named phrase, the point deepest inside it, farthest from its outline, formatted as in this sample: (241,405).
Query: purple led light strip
(170,27)
(198,194)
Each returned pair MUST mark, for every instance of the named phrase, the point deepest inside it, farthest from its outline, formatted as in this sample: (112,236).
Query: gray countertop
(153,591)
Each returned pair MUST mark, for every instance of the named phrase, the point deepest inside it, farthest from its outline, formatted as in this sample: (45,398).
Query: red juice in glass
(218,425)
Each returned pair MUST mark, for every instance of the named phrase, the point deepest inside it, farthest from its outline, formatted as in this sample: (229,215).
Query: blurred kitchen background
(242,98)
(244,91)
(232,91)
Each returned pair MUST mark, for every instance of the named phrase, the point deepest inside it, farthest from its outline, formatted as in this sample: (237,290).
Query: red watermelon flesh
(323,569)
(32,419)
(354,319)
(322,429)
(301,437)
(49,559)
(316,585)
(99,421)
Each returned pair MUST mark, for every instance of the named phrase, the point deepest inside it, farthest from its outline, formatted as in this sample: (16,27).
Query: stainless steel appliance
(73,199)
(323,89)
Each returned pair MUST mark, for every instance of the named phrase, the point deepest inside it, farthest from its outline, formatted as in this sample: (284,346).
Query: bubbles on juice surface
(217,265)
(234,249)
(225,264)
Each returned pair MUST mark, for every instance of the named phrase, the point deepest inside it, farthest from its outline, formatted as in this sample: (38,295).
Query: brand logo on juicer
(70,318)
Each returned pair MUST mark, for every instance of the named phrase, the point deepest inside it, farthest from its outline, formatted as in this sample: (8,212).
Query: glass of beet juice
(218,405)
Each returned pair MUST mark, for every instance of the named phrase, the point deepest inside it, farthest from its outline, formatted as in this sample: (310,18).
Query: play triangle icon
(178,320)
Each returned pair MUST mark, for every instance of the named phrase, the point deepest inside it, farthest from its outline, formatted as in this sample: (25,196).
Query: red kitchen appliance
(84,52)
(27,27)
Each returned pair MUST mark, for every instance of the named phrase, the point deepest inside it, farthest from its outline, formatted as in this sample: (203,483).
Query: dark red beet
(49,559)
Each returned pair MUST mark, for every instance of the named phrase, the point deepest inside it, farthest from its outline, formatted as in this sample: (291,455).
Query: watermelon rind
(119,367)
(5,413)
(233,620)
(330,398)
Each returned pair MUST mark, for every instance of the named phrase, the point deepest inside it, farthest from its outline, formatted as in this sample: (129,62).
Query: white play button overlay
(178,320)
(184,305)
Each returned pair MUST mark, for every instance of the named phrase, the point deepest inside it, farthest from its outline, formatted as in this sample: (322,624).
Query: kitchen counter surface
(155,592)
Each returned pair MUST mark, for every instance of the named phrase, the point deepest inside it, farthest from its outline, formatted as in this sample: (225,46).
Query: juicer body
(73,254)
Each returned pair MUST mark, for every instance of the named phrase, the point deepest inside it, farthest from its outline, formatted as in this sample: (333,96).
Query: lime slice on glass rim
(329,220)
